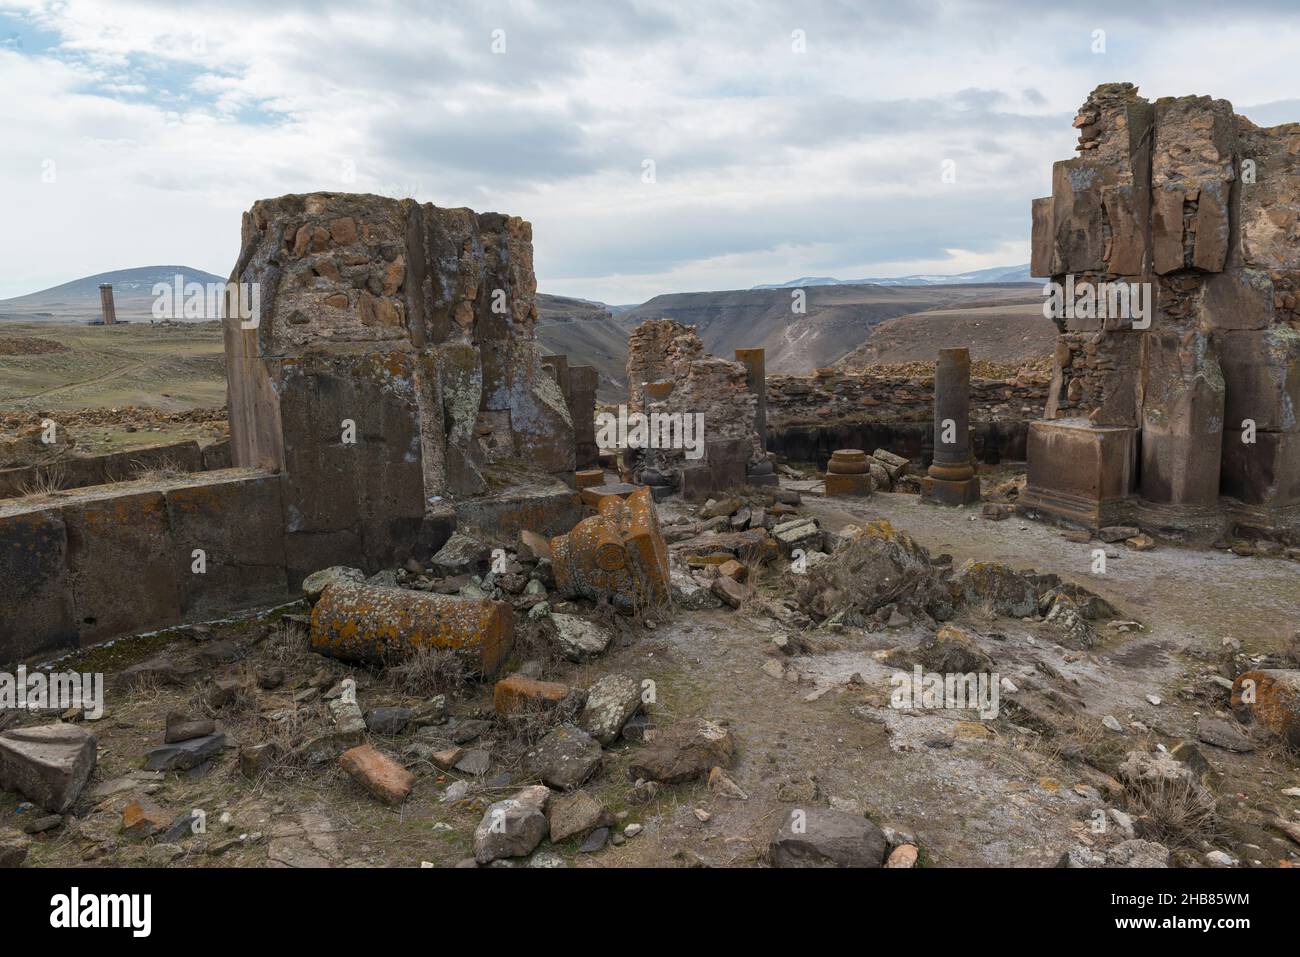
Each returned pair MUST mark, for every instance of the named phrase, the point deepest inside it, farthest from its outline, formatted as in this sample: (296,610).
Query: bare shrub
(1176,810)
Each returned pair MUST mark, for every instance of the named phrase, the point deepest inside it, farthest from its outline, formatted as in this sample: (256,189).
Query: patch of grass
(426,671)
(1177,811)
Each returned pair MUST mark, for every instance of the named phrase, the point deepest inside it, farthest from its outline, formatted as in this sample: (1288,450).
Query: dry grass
(165,471)
(48,481)
(426,671)
(536,717)
(288,645)
(1177,813)
(984,610)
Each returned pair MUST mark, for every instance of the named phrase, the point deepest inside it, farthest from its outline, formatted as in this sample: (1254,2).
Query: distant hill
(78,300)
(838,319)
(1003,333)
(588,334)
(995,274)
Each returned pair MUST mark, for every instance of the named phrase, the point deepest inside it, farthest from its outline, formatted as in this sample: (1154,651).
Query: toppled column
(617,555)
(106,307)
(952,479)
(377,625)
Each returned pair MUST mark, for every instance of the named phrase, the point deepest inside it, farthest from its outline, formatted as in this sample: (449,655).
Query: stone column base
(839,485)
(945,492)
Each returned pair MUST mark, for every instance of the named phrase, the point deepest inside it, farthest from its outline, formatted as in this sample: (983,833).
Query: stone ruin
(670,374)
(416,325)
(389,389)
(1184,419)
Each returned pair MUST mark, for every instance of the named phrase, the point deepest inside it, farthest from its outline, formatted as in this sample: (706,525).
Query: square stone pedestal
(1080,472)
(947,492)
(840,485)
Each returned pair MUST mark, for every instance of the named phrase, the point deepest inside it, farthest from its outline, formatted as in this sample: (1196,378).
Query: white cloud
(165,123)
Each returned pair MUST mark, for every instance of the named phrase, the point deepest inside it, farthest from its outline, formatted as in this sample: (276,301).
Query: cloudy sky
(787,139)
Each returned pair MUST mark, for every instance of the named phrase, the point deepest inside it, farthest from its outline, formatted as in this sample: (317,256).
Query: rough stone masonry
(1185,417)
(393,360)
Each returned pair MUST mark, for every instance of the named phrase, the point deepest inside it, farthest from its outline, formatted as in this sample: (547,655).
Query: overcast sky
(134,133)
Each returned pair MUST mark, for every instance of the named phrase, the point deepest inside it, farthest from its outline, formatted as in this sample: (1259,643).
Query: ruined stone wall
(414,326)
(671,356)
(1198,202)
(836,395)
(93,564)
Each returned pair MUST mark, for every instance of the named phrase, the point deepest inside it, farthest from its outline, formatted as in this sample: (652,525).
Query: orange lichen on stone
(518,692)
(1272,695)
(618,554)
(369,623)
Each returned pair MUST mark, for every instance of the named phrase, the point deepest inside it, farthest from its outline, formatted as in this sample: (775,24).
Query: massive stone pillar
(952,479)
(391,361)
(1194,208)
(106,306)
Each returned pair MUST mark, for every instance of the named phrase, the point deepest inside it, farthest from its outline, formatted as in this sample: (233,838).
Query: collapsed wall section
(393,360)
(670,374)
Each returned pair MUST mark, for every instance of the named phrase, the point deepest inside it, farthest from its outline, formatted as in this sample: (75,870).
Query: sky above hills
(656,148)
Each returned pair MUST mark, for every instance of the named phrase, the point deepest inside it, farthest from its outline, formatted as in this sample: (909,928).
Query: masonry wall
(84,566)
(79,471)
(1197,202)
(392,363)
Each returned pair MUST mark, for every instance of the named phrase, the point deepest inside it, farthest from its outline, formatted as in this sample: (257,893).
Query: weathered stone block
(235,518)
(1182,420)
(36,609)
(518,693)
(48,764)
(121,563)
(1261,374)
(1042,249)
(1238,299)
(378,774)
(1265,472)
(1079,471)
(368,623)
(544,507)
(618,554)
(1271,697)
(848,485)
(1077,217)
